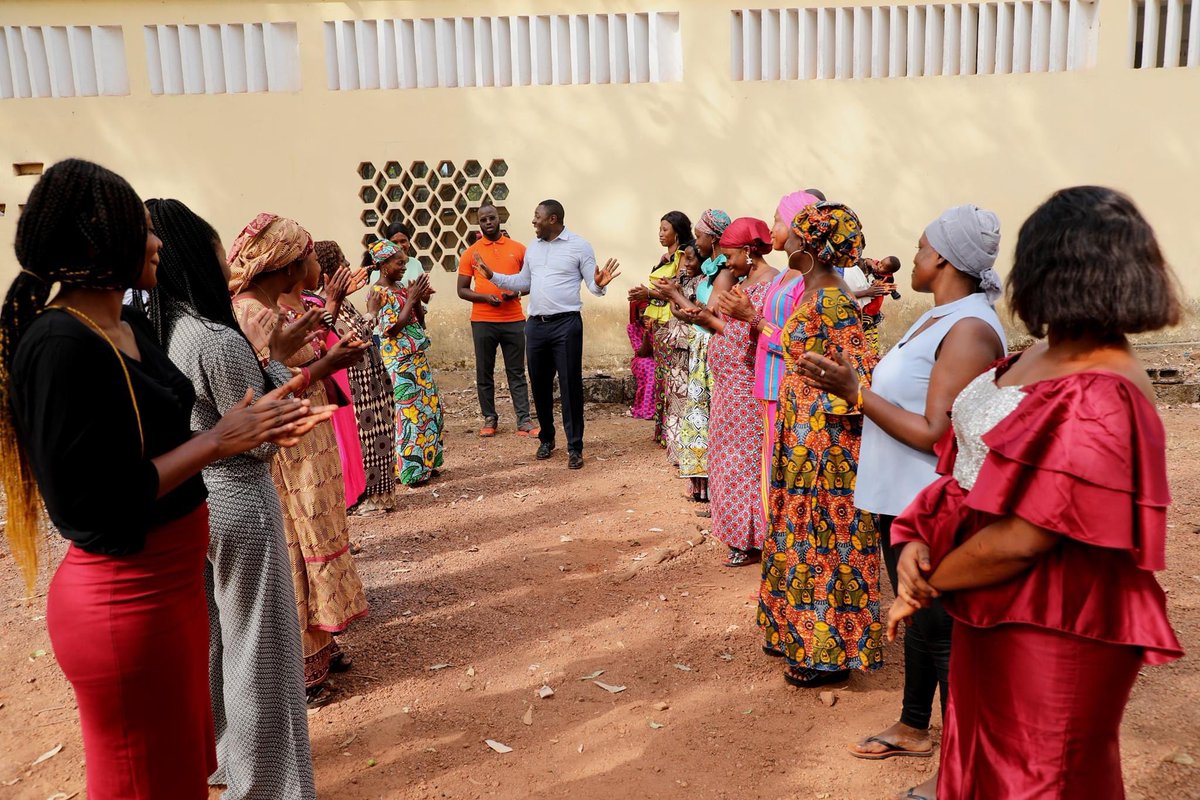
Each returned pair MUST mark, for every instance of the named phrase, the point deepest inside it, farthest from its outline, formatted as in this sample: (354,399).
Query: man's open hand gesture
(481,267)
(605,274)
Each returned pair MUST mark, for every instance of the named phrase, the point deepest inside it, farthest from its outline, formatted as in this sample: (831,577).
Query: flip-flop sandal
(893,751)
(738,558)
(912,795)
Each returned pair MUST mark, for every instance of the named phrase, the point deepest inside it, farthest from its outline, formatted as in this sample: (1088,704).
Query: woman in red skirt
(95,422)
(1044,534)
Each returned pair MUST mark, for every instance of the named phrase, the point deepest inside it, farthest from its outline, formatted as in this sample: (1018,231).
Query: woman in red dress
(119,473)
(1044,534)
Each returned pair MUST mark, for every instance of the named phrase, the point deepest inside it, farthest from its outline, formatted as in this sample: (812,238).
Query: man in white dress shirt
(554,267)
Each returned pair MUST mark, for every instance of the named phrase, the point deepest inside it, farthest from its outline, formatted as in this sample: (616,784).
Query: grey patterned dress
(256,673)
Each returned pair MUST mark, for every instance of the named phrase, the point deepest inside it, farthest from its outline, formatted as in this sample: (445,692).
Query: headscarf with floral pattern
(832,231)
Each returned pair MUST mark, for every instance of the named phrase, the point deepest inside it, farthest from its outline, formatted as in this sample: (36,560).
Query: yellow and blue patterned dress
(819,598)
(419,421)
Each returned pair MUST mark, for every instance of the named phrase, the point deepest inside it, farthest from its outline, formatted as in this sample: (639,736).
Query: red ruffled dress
(1042,664)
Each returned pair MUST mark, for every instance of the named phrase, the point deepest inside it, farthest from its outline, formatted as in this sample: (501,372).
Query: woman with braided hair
(125,609)
(256,672)
(372,390)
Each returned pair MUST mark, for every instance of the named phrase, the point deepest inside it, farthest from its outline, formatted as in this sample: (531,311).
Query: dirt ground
(508,574)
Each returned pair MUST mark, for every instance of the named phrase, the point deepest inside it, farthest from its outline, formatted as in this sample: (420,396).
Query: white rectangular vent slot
(62,61)
(221,59)
(536,50)
(1164,34)
(912,41)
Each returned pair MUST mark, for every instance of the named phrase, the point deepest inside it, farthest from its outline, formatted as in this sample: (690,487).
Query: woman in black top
(95,421)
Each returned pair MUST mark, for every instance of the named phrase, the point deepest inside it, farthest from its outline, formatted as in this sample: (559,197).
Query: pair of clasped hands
(277,416)
(733,302)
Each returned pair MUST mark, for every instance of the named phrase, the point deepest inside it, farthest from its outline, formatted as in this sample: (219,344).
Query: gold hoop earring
(813,266)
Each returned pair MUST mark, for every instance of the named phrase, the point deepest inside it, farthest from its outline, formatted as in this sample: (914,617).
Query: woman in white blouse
(907,411)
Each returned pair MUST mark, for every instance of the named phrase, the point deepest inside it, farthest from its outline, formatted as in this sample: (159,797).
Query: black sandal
(819,678)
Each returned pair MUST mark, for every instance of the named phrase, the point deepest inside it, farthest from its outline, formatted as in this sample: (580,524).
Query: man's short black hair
(1088,263)
(554,208)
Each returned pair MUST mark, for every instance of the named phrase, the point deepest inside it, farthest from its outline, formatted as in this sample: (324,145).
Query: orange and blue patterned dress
(419,422)
(819,599)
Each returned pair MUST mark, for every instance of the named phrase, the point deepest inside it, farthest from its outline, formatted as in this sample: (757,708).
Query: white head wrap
(969,238)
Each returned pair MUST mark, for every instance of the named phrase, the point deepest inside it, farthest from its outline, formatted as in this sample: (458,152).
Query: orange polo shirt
(504,256)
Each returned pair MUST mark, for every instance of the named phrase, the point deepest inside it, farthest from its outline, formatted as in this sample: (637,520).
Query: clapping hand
(300,427)
(638,294)
(736,303)
(604,275)
(358,279)
(275,417)
(838,378)
(668,289)
(337,285)
(282,339)
(421,289)
(346,353)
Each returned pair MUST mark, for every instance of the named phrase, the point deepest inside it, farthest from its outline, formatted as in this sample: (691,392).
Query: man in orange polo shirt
(496,320)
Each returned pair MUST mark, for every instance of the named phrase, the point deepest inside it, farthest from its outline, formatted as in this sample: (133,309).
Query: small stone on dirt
(828,698)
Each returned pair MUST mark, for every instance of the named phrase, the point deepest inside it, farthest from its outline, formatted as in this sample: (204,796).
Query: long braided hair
(190,279)
(83,227)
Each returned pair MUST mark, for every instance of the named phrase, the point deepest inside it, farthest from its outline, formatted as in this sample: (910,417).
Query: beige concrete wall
(619,156)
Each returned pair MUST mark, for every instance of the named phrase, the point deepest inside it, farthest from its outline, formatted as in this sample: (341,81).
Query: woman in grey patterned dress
(256,671)
(372,390)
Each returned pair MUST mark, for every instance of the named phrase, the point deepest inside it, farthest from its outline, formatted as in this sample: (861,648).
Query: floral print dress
(419,422)
(819,597)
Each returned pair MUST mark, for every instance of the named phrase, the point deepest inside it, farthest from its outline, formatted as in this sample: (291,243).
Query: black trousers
(555,347)
(510,338)
(926,646)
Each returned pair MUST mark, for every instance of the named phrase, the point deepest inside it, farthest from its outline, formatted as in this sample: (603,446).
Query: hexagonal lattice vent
(440,200)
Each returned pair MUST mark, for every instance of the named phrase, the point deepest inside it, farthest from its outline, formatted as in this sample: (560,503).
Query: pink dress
(735,436)
(1043,664)
(642,368)
(779,303)
(345,423)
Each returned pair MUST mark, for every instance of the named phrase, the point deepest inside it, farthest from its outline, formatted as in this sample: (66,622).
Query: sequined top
(979,408)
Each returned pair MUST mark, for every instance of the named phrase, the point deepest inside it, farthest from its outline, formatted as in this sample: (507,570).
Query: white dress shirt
(552,272)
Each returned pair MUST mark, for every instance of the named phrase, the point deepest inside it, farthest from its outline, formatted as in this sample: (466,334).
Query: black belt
(553,317)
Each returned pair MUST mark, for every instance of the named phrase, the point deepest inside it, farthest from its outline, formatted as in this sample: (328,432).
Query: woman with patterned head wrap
(372,392)
(694,417)
(266,261)
(403,342)
(735,430)
(819,599)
